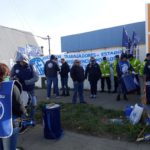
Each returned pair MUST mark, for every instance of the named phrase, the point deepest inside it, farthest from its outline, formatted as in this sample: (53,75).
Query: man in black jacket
(64,77)
(51,69)
(93,73)
(77,75)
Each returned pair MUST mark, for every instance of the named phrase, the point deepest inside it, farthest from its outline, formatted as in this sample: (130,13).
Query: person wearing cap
(27,75)
(147,78)
(65,69)
(123,68)
(105,70)
(11,91)
(77,75)
(114,66)
(136,64)
(51,70)
(93,73)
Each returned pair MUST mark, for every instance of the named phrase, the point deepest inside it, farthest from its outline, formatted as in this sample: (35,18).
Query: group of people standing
(93,72)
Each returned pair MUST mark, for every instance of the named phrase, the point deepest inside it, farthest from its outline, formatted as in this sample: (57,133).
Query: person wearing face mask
(11,109)
(93,73)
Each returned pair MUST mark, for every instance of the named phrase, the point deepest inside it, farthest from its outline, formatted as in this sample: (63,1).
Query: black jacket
(51,68)
(147,70)
(93,72)
(77,73)
(65,69)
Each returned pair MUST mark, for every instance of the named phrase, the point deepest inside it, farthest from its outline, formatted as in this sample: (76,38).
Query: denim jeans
(11,142)
(64,84)
(78,90)
(51,80)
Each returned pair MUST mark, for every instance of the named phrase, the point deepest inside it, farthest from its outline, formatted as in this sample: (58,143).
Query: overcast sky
(64,17)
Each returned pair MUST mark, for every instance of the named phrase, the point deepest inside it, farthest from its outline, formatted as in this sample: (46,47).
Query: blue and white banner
(84,57)
(30,50)
(6,126)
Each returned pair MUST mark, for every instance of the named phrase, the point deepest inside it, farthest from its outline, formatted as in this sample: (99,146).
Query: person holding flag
(136,64)
(11,109)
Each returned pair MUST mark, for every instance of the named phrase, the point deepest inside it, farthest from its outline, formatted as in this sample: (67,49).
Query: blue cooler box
(52,121)
(129,84)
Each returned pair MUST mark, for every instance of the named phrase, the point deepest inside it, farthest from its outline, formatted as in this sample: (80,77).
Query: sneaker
(102,91)
(57,97)
(48,98)
(118,98)
(23,129)
(94,96)
(91,96)
(19,148)
(125,97)
(83,102)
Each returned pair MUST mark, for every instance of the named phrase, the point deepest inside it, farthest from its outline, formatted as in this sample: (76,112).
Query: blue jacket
(26,75)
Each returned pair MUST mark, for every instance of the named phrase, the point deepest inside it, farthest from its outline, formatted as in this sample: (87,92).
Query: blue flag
(126,42)
(135,42)
(135,39)
(6,126)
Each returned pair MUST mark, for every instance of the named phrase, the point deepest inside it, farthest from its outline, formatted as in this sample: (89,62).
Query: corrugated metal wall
(110,37)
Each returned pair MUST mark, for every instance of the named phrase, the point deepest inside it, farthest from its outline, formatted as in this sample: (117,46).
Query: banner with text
(84,57)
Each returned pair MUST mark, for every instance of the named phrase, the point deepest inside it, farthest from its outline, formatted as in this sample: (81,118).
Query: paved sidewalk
(33,140)
(106,100)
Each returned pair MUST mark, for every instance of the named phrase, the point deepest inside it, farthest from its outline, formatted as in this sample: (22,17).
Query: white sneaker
(48,98)
(91,96)
(94,96)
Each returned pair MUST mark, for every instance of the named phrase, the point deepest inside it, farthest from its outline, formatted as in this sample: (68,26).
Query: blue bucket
(128,111)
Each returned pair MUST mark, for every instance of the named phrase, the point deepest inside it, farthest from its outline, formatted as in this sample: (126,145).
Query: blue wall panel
(110,37)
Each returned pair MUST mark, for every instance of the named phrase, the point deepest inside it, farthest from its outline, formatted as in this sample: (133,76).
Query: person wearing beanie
(51,70)
(105,74)
(27,75)
(93,74)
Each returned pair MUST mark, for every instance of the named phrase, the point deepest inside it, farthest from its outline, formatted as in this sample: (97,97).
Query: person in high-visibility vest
(114,66)
(105,74)
(135,63)
(141,71)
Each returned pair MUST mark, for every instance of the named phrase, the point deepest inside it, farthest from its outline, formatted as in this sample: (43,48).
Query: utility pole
(48,38)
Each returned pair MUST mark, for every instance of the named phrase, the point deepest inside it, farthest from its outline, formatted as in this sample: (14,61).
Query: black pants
(115,83)
(107,81)
(138,80)
(64,84)
(93,86)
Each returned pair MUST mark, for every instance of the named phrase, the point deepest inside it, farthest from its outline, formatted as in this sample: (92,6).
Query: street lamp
(48,38)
